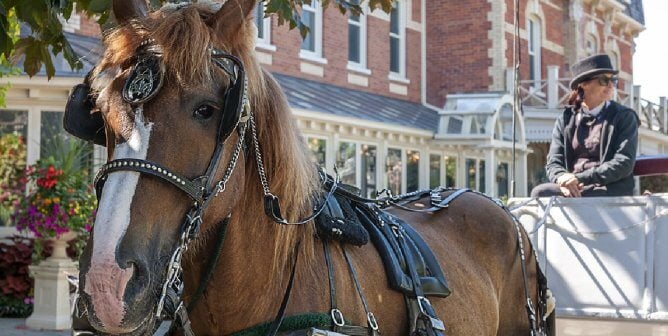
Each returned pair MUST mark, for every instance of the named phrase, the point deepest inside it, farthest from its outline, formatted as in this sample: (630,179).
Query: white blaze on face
(106,280)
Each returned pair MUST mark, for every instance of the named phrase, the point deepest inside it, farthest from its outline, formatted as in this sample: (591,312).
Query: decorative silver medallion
(145,80)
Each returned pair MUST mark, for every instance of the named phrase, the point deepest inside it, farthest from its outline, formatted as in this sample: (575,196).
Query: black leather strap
(371,319)
(335,313)
(276,325)
(194,188)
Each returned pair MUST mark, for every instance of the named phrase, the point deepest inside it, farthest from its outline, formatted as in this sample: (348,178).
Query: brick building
(419,97)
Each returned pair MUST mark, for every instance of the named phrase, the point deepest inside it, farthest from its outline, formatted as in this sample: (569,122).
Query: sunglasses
(605,80)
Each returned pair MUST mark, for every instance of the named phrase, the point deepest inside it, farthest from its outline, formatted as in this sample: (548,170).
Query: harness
(144,82)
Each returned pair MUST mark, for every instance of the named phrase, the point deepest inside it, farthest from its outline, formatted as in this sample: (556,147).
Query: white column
(636,94)
(34,135)
(628,88)
(381,171)
(663,112)
(552,86)
(510,79)
(490,173)
(521,182)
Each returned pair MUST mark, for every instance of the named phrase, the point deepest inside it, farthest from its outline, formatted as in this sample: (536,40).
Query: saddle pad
(352,221)
(338,222)
(381,227)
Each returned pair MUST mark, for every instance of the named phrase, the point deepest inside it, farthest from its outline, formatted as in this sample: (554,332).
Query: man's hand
(569,185)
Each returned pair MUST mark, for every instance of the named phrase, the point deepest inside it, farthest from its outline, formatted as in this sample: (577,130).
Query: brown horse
(159,89)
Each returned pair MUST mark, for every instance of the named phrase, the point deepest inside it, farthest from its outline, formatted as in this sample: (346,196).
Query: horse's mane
(185,40)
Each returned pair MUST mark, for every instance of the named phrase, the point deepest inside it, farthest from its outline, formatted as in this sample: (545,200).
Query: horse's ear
(125,10)
(231,16)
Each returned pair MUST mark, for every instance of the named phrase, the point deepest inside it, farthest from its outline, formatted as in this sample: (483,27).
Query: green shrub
(12,180)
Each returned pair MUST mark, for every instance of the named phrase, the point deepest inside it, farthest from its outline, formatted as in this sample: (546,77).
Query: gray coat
(619,143)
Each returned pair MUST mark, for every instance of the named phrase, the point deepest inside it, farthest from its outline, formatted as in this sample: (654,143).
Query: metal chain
(220,187)
(258,157)
(175,269)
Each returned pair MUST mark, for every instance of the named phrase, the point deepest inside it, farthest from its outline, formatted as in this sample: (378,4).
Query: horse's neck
(247,287)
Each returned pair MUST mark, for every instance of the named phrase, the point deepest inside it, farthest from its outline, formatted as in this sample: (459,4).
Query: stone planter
(52,292)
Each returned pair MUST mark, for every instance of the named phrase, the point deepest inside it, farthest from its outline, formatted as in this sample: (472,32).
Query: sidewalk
(17,327)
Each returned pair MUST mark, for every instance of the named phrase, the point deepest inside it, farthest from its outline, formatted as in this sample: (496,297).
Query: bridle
(144,81)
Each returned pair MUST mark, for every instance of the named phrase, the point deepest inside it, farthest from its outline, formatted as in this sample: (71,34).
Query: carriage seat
(349,220)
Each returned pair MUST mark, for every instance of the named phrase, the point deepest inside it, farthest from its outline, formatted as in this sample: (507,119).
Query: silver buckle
(372,321)
(337,317)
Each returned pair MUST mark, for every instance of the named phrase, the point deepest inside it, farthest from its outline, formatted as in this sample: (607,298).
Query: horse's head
(171,94)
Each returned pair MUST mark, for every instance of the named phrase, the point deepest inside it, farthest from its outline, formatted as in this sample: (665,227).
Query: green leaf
(66,9)
(48,62)
(30,48)
(99,6)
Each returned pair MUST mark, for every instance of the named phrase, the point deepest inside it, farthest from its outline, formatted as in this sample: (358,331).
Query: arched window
(534,43)
(591,45)
(614,59)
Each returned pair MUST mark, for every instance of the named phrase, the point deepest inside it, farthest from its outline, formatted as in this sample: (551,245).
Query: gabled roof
(327,98)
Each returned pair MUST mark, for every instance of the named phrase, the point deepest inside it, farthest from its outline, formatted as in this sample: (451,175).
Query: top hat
(589,67)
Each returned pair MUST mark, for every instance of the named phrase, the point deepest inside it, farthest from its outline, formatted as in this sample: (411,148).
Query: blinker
(79,120)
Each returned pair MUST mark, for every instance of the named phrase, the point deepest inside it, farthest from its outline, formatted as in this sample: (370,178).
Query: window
(450,171)
(502,177)
(504,123)
(534,43)
(263,26)
(471,174)
(397,41)
(357,40)
(312,17)
(318,148)
(394,168)
(475,174)
(346,162)
(614,59)
(481,176)
(591,45)
(412,170)
(434,170)
(368,165)
(14,122)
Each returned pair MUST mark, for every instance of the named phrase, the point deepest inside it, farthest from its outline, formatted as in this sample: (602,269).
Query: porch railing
(553,93)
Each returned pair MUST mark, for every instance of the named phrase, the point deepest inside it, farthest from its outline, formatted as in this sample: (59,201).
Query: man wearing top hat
(594,141)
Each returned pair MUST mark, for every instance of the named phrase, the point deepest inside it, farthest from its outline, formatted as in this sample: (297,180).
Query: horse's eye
(204,112)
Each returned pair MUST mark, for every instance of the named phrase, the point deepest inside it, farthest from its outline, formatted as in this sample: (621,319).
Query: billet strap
(370,318)
(335,313)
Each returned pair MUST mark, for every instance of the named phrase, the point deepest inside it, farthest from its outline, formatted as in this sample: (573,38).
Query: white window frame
(401,74)
(314,55)
(534,48)
(360,66)
(265,41)
(594,41)
(478,172)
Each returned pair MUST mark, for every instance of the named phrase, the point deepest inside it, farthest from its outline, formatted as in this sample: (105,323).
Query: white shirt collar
(596,110)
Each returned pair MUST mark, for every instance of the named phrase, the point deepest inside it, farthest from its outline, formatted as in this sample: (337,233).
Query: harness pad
(351,221)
